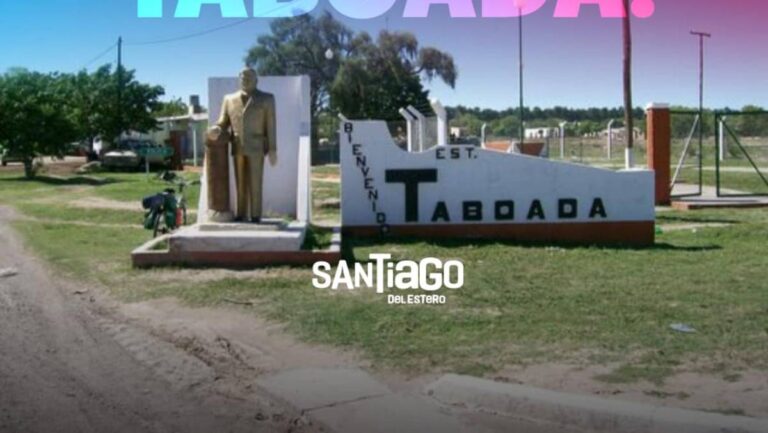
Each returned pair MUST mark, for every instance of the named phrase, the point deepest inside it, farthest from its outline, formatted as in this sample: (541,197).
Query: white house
(542,133)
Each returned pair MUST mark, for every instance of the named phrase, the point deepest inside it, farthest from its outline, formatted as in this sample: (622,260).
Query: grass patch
(318,238)
(81,215)
(521,303)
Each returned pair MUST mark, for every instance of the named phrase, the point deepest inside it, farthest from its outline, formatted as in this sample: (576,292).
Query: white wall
(484,176)
(281,183)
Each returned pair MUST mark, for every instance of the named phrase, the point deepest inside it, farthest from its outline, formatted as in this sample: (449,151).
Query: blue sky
(568,62)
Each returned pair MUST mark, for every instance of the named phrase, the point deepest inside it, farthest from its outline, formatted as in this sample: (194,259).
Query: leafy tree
(37,117)
(298,46)
(378,79)
(369,79)
(100,113)
(139,101)
(753,123)
(174,107)
(88,93)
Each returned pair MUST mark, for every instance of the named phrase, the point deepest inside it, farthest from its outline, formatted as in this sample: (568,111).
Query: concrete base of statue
(220,217)
(236,246)
(269,236)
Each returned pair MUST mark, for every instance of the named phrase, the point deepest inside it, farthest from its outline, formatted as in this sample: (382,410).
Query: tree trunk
(629,122)
(29,168)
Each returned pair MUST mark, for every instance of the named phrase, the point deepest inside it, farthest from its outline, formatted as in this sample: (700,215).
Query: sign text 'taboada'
(369,9)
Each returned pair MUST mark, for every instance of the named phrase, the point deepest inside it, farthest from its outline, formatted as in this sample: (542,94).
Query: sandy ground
(745,394)
(74,363)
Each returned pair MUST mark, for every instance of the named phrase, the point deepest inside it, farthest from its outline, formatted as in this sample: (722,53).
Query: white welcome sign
(465,191)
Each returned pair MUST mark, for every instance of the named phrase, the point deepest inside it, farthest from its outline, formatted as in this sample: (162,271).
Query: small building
(618,133)
(458,132)
(542,133)
(189,129)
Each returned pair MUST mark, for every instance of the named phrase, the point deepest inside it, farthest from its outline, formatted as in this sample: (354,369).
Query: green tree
(100,113)
(87,93)
(37,116)
(753,123)
(299,46)
(383,76)
(172,108)
(378,79)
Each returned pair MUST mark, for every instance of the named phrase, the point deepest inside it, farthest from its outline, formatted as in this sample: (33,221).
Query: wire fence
(689,141)
(742,153)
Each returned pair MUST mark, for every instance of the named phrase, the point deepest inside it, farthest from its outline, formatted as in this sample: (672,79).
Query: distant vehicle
(6,157)
(77,149)
(128,154)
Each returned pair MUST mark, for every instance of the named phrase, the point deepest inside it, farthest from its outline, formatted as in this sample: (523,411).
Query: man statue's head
(248,80)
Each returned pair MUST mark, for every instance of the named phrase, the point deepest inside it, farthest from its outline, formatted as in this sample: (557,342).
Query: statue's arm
(220,130)
(224,121)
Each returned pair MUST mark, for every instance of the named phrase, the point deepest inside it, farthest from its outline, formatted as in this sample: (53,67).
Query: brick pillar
(659,150)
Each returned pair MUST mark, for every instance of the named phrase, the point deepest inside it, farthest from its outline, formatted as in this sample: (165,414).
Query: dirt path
(69,363)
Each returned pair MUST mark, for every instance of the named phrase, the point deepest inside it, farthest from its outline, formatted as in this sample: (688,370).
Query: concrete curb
(583,412)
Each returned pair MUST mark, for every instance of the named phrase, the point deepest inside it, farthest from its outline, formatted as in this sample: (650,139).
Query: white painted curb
(583,412)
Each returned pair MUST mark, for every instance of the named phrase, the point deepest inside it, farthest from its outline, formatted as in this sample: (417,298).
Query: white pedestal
(269,236)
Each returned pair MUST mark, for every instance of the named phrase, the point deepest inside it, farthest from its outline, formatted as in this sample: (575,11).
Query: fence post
(610,139)
(659,149)
(422,124)
(442,122)
(410,119)
(562,139)
(723,146)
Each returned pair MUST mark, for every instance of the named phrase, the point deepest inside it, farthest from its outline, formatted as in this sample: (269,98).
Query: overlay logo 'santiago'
(430,275)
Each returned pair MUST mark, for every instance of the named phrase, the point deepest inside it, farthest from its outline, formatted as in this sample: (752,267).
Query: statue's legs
(256,163)
(249,173)
(243,179)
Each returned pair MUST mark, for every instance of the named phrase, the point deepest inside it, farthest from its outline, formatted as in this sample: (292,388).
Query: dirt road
(68,364)
(71,360)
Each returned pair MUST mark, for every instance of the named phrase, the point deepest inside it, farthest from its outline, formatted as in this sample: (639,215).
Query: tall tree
(378,79)
(629,120)
(95,104)
(37,116)
(87,94)
(300,46)
(174,107)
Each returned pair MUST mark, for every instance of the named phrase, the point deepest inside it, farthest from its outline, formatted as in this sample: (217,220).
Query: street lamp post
(520,4)
(610,139)
(701,36)
(562,139)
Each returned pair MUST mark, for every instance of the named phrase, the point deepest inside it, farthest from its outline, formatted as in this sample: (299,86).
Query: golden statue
(248,126)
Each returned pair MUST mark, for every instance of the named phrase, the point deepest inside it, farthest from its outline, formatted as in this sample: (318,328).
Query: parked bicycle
(167,211)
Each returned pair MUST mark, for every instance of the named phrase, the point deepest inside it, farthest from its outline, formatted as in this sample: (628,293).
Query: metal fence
(741,163)
(688,136)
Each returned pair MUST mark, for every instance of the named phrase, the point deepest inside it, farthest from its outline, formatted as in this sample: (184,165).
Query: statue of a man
(248,124)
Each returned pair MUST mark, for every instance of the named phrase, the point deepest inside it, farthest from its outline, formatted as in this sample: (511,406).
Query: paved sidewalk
(352,401)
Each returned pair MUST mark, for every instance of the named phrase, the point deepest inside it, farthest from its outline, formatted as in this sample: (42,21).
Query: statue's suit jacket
(252,123)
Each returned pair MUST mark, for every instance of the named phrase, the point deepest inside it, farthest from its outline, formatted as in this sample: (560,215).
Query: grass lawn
(521,303)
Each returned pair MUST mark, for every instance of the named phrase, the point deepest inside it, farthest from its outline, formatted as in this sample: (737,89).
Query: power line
(189,36)
(102,54)
(205,32)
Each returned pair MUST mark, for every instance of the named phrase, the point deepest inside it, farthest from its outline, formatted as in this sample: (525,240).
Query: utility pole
(701,36)
(629,120)
(120,85)
(520,5)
